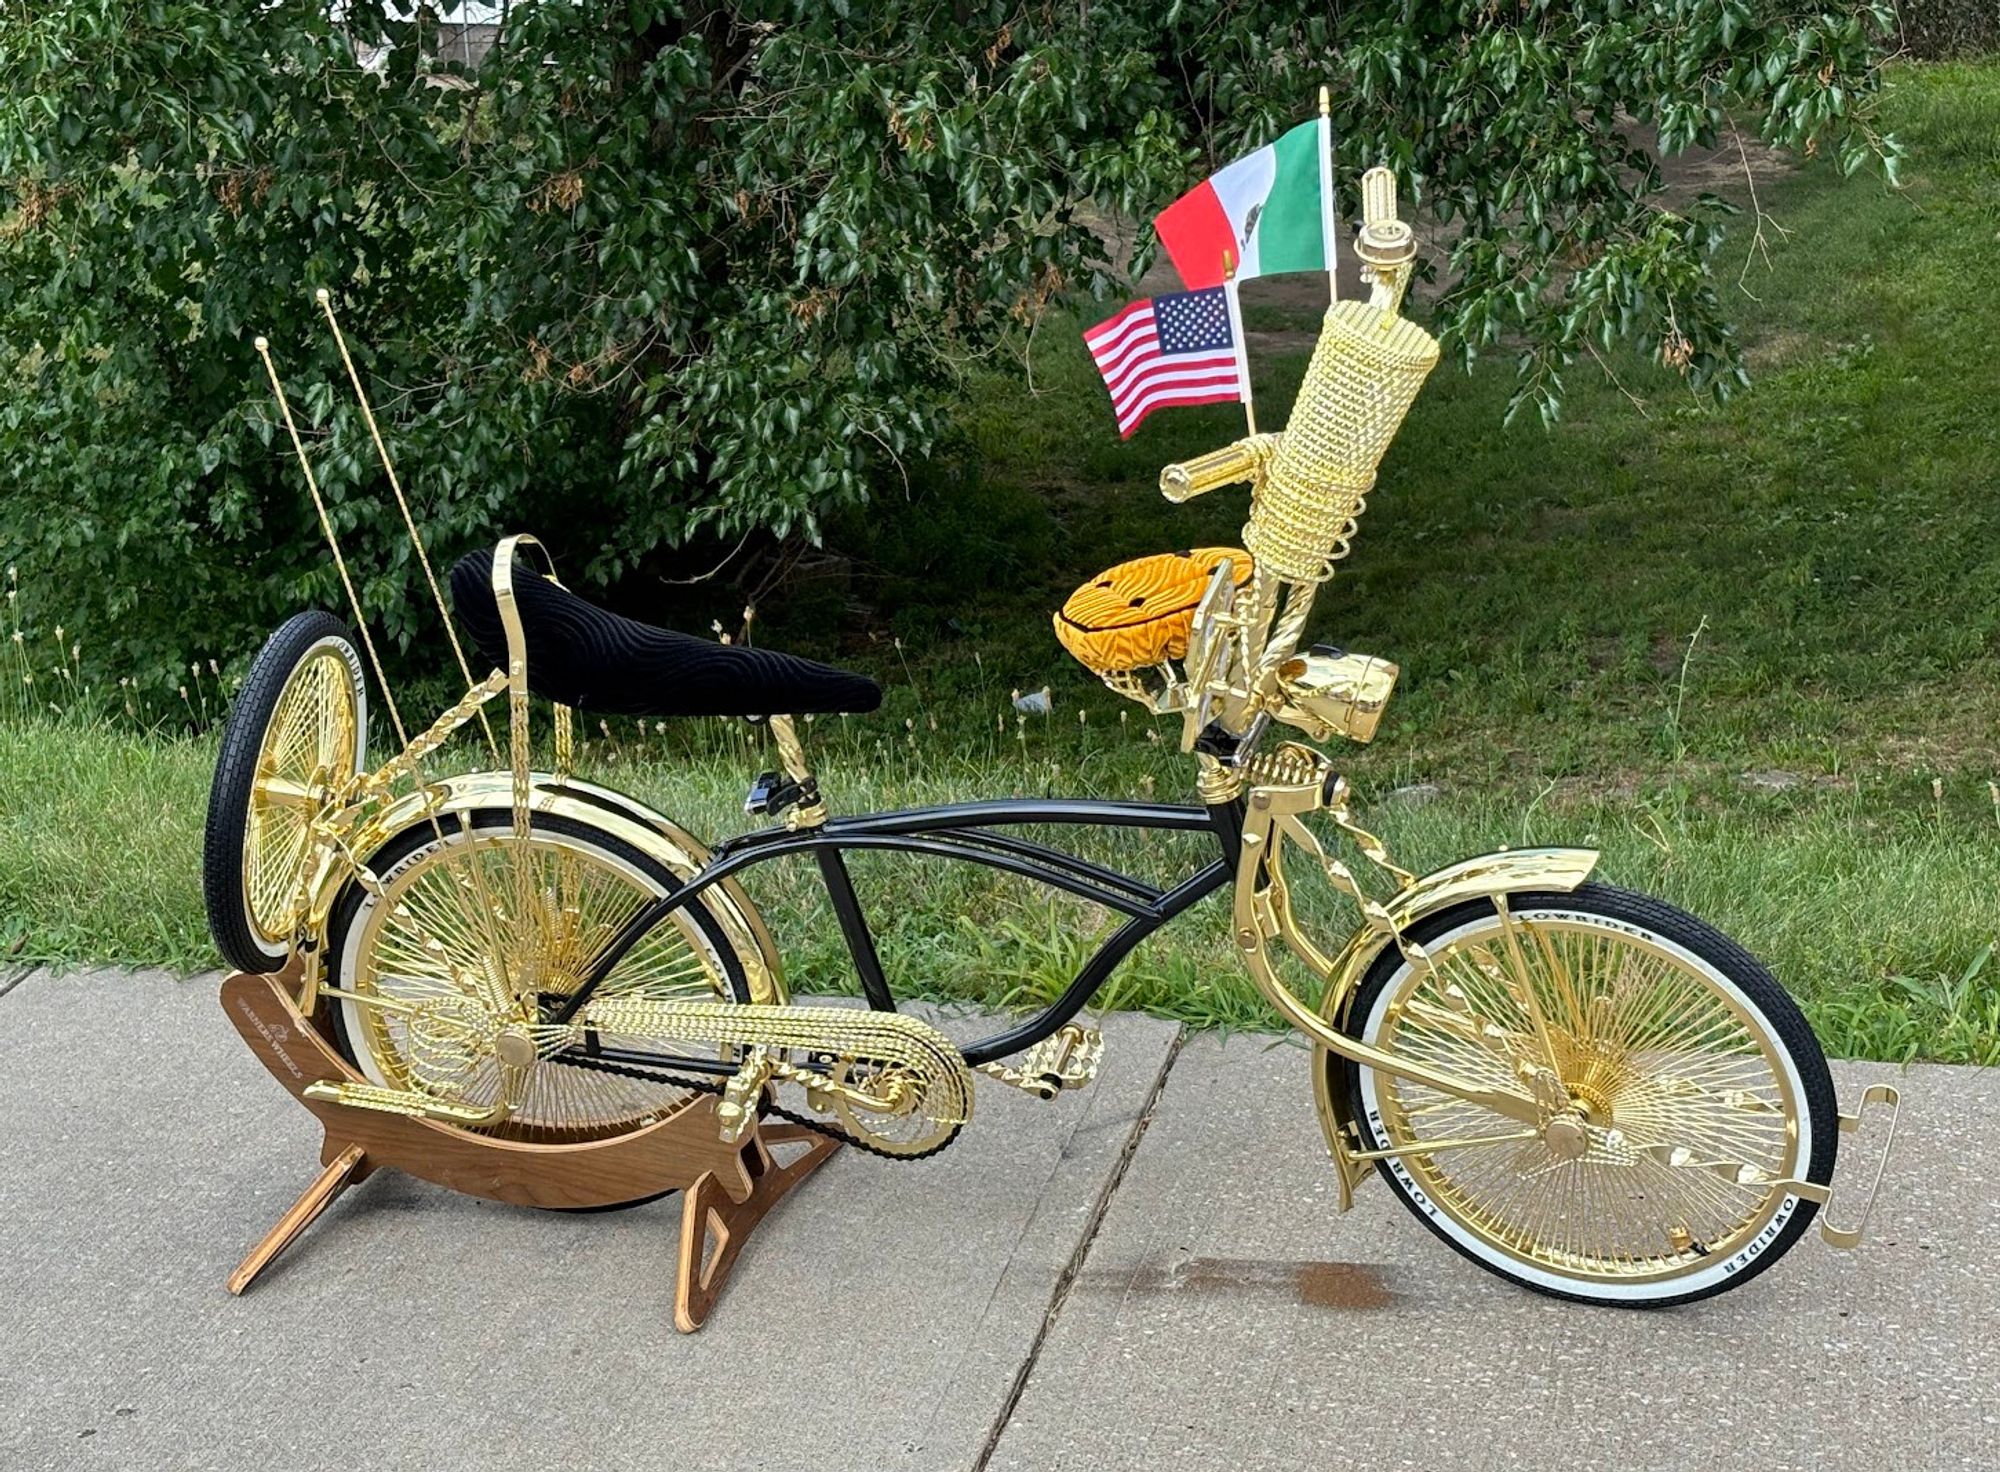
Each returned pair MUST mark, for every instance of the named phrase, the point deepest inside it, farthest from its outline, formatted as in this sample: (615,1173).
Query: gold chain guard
(896,1081)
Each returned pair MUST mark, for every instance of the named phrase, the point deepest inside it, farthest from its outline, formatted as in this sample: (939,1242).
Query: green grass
(1879,918)
(1605,630)
(1830,532)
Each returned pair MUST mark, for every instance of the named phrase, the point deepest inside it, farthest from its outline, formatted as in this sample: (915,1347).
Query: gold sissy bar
(498,1017)
(341,830)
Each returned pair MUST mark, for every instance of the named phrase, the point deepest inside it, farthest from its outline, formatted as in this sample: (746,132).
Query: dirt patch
(1727,170)
(1776,350)
(1355,1287)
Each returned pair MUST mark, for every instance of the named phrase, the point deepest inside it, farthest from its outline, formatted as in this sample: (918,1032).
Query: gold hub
(515,1048)
(1566,1137)
(1590,1105)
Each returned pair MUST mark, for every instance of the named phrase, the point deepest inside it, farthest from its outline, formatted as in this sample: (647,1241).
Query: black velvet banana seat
(587,657)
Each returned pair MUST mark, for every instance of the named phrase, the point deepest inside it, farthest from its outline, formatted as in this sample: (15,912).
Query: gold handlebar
(1243,461)
(1310,482)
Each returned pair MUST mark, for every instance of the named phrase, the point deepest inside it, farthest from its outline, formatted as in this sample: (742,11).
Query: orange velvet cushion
(1139,613)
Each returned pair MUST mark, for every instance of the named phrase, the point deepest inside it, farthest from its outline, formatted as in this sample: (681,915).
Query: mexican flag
(1271,212)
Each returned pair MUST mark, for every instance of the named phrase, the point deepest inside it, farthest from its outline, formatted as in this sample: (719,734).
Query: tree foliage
(656,273)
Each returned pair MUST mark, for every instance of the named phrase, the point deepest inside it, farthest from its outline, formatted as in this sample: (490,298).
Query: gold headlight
(1330,694)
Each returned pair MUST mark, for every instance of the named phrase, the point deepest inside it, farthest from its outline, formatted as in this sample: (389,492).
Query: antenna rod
(325,299)
(1236,334)
(263,347)
(480,919)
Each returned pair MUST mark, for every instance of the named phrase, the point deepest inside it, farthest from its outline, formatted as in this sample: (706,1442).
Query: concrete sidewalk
(1226,1317)
(877,1319)
(888,1316)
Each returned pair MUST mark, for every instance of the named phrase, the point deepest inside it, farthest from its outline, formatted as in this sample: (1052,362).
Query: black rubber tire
(1788,1027)
(401,845)
(236,772)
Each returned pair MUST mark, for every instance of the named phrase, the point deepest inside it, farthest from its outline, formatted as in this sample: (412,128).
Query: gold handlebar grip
(1243,461)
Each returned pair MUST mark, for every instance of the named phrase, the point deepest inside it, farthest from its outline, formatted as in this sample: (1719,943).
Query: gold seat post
(811,809)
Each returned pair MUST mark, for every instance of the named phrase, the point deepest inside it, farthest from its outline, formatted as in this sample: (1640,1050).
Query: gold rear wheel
(1678,1085)
(469,945)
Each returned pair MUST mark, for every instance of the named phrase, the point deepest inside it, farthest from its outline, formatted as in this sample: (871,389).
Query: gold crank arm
(899,1098)
(407,1102)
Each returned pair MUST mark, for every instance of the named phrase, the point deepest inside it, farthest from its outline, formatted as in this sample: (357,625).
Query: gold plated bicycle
(1582,1089)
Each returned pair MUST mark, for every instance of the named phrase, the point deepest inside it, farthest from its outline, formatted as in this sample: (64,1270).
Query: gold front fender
(1511,871)
(613,812)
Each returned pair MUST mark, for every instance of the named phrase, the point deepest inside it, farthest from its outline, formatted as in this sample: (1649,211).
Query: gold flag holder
(726,1189)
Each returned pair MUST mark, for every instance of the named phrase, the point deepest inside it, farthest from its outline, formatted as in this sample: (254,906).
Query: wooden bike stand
(726,1189)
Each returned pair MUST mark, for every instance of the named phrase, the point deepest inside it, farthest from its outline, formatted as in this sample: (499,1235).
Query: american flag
(1172,349)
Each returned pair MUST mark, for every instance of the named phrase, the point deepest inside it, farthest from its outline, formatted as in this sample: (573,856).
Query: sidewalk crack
(1066,1280)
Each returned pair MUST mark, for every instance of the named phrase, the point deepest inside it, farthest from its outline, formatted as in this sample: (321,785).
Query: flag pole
(1236,336)
(1328,236)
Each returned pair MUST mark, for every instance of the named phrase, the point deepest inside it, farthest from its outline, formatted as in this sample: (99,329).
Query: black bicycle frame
(970,832)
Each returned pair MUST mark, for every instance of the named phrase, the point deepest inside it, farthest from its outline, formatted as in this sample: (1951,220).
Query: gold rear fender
(614,813)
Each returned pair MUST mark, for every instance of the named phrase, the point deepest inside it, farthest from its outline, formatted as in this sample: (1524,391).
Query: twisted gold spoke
(1694,1119)
(311,744)
(440,936)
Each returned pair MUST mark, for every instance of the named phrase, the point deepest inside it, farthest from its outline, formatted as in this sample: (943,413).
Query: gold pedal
(1066,1059)
(406,1102)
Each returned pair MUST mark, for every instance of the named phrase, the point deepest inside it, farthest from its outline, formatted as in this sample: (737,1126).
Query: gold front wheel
(1678,1085)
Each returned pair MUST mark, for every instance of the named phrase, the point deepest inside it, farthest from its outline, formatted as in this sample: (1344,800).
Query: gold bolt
(515,1049)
